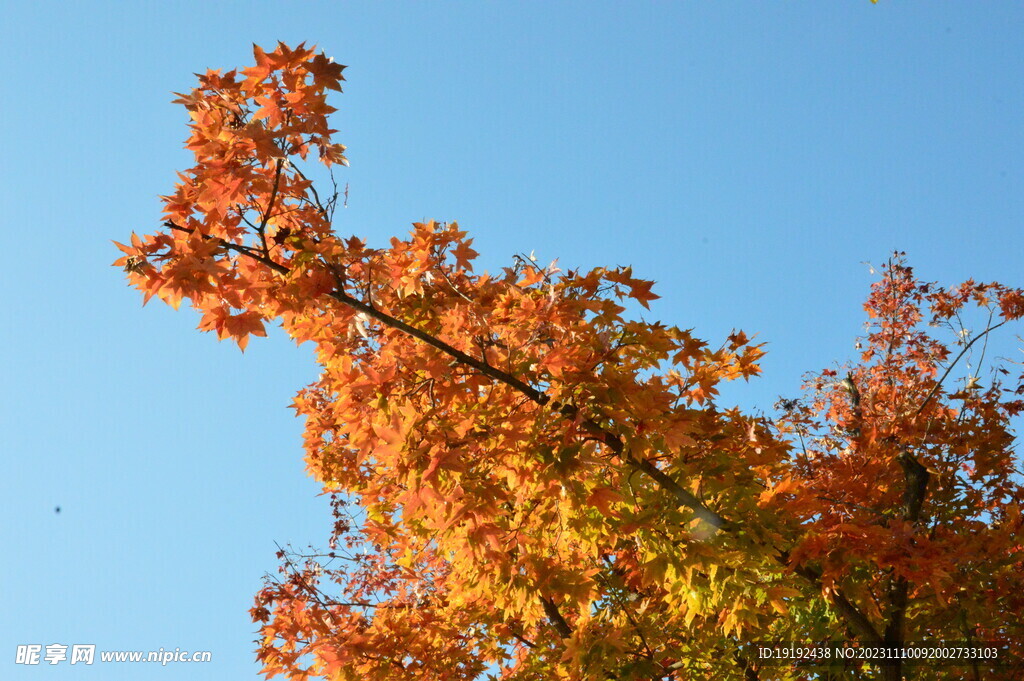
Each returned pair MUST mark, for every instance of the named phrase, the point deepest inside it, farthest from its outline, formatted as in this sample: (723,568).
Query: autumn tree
(530,483)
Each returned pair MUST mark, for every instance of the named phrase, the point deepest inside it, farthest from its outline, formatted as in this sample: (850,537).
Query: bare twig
(945,375)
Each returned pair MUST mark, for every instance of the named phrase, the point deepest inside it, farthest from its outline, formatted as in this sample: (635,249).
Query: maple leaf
(640,291)
(464,255)
(325,72)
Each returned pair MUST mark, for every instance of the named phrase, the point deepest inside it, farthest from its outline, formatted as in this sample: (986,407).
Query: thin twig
(967,347)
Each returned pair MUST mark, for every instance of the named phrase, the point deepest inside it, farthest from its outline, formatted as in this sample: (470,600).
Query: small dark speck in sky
(56,509)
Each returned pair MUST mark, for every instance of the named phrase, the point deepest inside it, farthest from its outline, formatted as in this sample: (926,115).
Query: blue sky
(748,156)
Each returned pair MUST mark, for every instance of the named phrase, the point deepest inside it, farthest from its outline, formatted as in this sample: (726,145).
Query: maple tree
(528,483)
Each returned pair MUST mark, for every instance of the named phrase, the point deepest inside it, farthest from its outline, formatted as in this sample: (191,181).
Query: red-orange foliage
(531,484)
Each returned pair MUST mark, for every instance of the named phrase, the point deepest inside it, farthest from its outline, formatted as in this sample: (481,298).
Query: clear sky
(748,156)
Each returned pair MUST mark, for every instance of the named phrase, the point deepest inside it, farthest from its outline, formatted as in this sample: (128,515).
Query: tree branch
(555,617)
(682,496)
(857,621)
(609,438)
(749,672)
(261,230)
(945,375)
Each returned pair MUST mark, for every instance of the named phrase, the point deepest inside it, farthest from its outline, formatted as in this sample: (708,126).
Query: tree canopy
(532,483)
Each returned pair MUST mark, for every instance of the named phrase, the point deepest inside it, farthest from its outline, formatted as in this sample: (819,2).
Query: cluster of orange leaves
(532,484)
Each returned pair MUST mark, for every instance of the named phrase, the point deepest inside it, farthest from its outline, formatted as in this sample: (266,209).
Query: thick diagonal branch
(609,438)
(857,621)
(554,616)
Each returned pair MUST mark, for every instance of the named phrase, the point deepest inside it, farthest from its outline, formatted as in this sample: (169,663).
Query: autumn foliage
(529,483)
